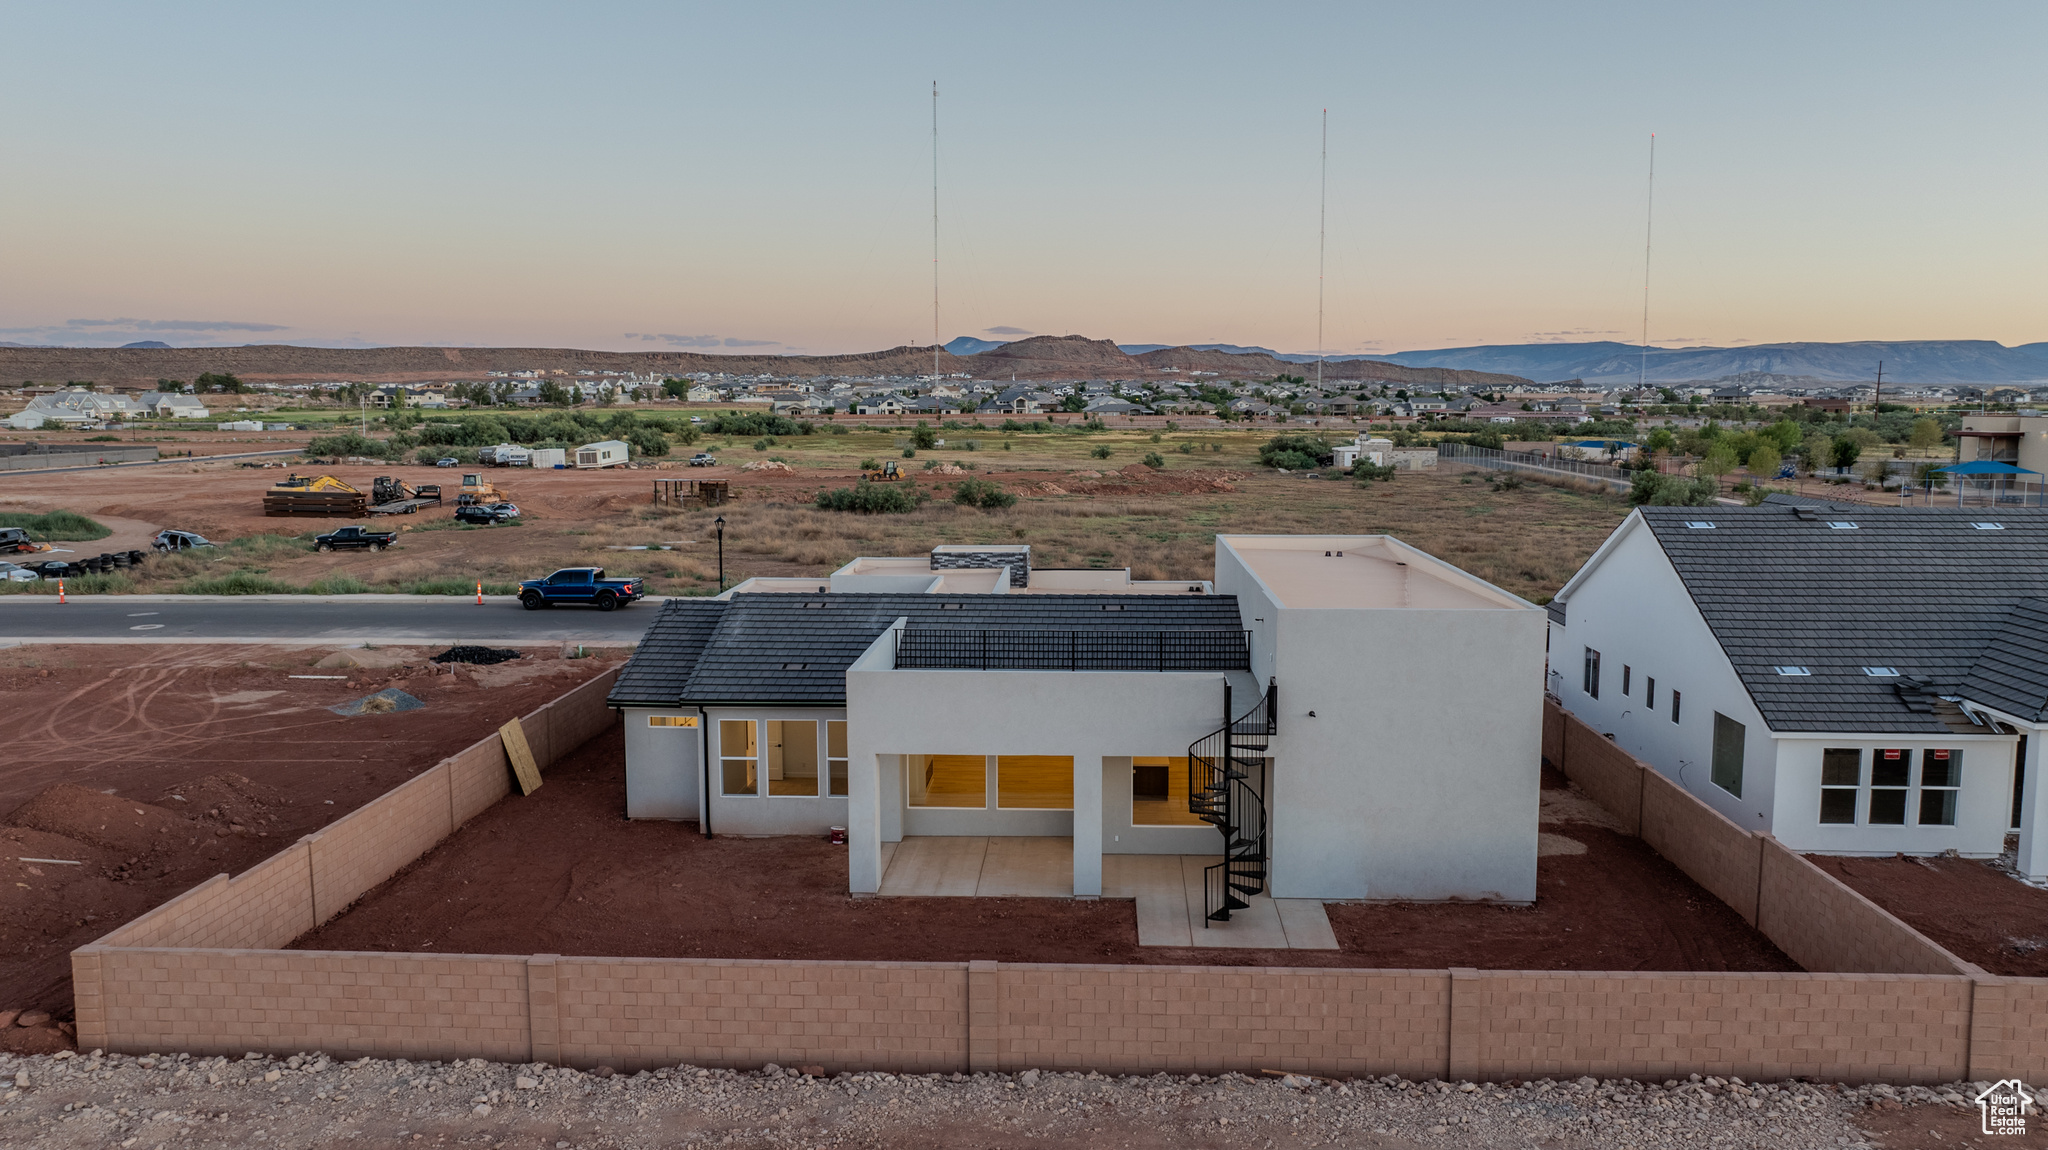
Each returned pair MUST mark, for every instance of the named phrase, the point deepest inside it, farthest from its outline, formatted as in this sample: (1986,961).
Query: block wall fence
(204,973)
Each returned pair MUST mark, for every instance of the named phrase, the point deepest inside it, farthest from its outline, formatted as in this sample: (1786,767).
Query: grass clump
(56,526)
(866,498)
(1101,452)
(983,494)
(448,586)
(238,583)
(1154,460)
(112,583)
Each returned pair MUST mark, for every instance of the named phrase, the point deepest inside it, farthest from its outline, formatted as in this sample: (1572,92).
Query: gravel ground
(141,1103)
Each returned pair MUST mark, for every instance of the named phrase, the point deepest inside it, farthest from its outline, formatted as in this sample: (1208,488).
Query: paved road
(310,619)
(152,462)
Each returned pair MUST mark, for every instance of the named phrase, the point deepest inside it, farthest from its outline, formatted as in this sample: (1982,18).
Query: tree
(1074,402)
(553,394)
(923,437)
(1718,461)
(1844,451)
(223,381)
(1764,460)
(1661,440)
(1926,433)
(676,388)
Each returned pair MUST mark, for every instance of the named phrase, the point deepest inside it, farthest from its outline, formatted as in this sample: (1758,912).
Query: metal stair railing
(1226,789)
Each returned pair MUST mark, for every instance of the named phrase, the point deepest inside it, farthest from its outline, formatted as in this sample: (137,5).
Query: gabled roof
(1921,590)
(667,653)
(794,649)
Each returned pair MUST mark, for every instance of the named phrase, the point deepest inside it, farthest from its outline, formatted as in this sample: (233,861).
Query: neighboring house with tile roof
(965,693)
(1851,679)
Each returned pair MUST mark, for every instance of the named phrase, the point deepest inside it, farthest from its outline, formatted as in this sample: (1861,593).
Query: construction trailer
(604,453)
(552,457)
(315,496)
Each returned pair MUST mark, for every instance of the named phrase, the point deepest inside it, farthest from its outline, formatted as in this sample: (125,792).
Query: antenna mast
(1649,217)
(1322,232)
(935,230)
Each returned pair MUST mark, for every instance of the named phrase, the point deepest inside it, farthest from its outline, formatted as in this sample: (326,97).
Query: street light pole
(720,524)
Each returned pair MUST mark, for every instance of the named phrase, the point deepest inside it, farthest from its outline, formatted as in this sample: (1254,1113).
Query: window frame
(752,761)
(1674,704)
(1589,677)
(767,759)
(1904,791)
(1626,672)
(838,784)
(1733,759)
(1953,758)
(1854,788)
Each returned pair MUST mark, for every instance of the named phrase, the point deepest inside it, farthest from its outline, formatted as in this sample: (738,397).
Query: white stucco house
(969,694)
(72,409)
(170,405)
(1850,679)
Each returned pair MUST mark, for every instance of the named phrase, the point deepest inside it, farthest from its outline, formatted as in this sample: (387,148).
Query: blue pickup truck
(581,585)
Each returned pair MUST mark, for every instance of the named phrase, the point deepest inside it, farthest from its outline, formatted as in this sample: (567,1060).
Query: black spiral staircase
(1226,789)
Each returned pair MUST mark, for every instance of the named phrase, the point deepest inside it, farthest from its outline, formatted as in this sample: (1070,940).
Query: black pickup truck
(348,537)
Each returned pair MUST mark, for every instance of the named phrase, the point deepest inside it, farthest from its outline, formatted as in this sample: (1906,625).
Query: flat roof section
(1362,572)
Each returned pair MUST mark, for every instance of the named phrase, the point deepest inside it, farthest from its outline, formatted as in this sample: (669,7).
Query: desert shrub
(982,493)
(838,430)
(971,444)
(754,423)
(56,526)
(1656,489)
(1295,452)
(1154,460)
(870,464)
(1013,425)
(1505,481)
(866,498)
(1366,471)
(1156,437)
(350,443)
(1187,449)
(763,444)
(428,456)
(238,583)
(337,583)
(922,436)
(1102,452)
(910,453)
(648,441)
(111,583)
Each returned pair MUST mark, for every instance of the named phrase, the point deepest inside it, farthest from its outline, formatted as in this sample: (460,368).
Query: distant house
(72,409)
(703,393)
(1109,406)
(170,405)
(1851,679)
(891,404)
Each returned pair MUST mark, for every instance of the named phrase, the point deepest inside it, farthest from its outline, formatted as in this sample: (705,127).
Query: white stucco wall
(1633,609)
(1418,776)
(663,769)
(1089,715)
(1983,805)
(765,814)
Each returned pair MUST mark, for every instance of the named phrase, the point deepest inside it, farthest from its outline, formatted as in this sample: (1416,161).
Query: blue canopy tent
(1988,467)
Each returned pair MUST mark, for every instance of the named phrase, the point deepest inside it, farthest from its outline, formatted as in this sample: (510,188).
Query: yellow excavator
(317,496)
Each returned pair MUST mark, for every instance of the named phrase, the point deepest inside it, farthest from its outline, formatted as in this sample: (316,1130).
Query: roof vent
(814,603)
(1840,525)
(1989,526)
(795,666)
(1112,606)
(1806,513)
(952,606)
(1792,671)
(1699,524)
(1881,672)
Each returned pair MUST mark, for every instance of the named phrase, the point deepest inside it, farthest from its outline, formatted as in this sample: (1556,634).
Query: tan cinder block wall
(1702,842)
(2007,1038)
(1609,775)
(394,1005)
(1190,1018)
(478,776)
(635,1014)
(267,905)
(1843,1028)
(374,842)
(1823,924)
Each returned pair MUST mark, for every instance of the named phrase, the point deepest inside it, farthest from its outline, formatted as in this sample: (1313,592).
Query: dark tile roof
(667,653)
(1917,589)
(794,649)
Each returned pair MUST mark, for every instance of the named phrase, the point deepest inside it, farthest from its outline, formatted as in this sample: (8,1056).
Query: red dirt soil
(1978,912)
(156,768)
(563,872)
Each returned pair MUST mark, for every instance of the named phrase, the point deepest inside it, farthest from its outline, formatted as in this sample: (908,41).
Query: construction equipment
(314,496)
(389,496)
(886,473)
(477,489)
(15,540)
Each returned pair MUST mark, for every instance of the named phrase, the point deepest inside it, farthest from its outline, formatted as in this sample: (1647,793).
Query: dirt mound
(767,465)
(101,819)
(227,800)
(1138,479)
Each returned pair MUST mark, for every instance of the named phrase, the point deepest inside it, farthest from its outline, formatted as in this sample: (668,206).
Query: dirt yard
(155,768)
(1073,510)
(312,1101)
(1978,912)
(563,872)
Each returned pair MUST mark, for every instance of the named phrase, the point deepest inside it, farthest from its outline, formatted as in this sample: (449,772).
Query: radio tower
(1649,214)
(1322,231)
(935,230)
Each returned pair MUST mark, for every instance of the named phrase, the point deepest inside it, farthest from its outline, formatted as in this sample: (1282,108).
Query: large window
(739,756)
(1841,781)
(792,757)
(1035,782)
(945,780)
(1728,748)
(1674,706)
(1159,792)
(1941,773)
(835,754)
(1590,680)
(1891,775)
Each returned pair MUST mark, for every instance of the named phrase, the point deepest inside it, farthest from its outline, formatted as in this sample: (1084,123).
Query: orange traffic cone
(60,591)
(479,592)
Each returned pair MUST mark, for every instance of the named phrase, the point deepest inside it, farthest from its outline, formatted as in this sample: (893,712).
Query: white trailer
(549,457)
(603,453)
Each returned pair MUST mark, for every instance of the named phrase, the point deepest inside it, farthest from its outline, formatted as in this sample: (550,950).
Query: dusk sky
(757,176)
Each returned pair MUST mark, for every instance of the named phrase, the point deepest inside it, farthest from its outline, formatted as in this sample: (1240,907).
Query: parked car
(16,573)
(703,459)
(179,540)
(581,585)
(451,461)
(487,514)
(355,537)
(14,539)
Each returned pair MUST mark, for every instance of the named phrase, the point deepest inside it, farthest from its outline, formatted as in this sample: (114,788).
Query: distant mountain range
(1609,362)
